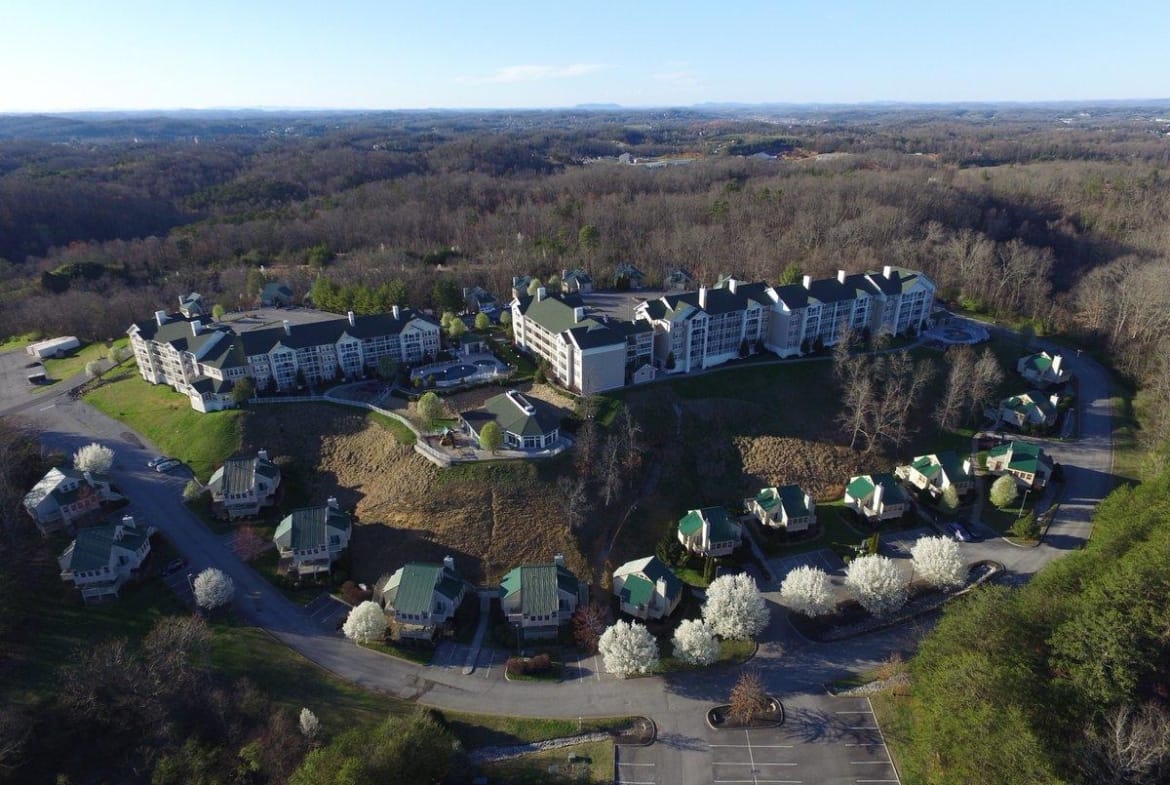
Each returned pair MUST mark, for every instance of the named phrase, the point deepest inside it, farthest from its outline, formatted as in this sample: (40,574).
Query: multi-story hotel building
(203,361)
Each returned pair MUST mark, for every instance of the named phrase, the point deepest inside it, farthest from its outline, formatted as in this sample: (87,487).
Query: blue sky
(131,54)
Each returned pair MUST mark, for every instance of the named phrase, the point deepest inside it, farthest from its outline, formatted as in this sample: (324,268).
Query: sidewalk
(485,611)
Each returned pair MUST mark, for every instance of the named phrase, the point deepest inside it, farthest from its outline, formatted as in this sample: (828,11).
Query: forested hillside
(1053,215)
(1063,680)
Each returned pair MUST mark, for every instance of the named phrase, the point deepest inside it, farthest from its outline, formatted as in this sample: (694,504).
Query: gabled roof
(94,545)
(539,584)
(790,497)
(578,275)
(412,587)
(720,300)
(275,288)
(627,271)
(554,312)
(310,527)
(1022,456)
(1040,362)
(722,529)
(643,576)
(238,474)
(901,280)
(515,413)
(49,486)
(947,462)
(861,487)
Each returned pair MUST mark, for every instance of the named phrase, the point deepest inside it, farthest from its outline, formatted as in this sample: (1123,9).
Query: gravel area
(489,754)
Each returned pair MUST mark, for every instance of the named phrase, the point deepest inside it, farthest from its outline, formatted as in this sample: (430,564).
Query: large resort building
(692,331)
(204,361)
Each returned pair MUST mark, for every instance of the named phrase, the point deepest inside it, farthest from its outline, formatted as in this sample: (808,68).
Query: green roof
(790,497)
(642,576)
(859,487)
(412,588)
(637,591)
(93,546)
(721,528)
(307,527)
(1025,457)
(538,584)
(1039,362)
(926,466)
(555,313)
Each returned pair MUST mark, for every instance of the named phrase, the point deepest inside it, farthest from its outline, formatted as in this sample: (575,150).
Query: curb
(653,733)
(769,724)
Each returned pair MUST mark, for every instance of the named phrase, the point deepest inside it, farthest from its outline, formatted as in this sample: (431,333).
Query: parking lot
(328,611)
(824,559)
(823,741)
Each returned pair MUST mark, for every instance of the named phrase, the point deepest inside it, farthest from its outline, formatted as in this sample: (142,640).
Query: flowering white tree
(695,643)
(628,648)
(735,608)
(309,724)
(876,582)
(365,623)
(808,590)
(937,561)
(213,588)
(94,458)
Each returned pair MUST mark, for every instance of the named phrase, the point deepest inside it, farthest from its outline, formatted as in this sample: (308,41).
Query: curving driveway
(792,668)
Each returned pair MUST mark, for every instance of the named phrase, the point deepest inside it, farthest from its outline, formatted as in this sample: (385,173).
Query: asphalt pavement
(793,669)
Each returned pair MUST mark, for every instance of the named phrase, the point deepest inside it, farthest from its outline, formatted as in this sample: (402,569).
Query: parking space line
(855,711)
(596,668)
(756,746)
(491,661)
(867,744)
(868,762)
(753,765)
(635,764)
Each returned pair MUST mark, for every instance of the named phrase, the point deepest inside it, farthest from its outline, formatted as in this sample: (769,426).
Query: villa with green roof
(787,508)
(1043,369)
(576,282)
(1028,463)
(876,497)
(709,532)
(421,599)
(65,496)
(1030,409)
(310,539)
(243,485)
(527,423)
(103,558)
(939,471)
(647,589)
(539,598)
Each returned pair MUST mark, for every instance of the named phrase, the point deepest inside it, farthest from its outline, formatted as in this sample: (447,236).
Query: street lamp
(1023,502)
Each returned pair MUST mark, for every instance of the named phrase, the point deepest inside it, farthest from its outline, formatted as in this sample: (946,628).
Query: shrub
(1004,491)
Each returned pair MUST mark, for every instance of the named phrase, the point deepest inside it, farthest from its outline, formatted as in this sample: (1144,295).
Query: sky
(63,55)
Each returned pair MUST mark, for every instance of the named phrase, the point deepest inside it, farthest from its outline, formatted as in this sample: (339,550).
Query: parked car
(167,465)
(153,462)
(958,531)
(174,565)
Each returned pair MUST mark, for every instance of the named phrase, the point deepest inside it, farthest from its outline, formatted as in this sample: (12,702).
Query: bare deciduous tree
(953,403)
(749,699)
(1130,747)
(574,500)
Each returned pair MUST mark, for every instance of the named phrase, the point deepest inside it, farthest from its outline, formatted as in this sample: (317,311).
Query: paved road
(792,668)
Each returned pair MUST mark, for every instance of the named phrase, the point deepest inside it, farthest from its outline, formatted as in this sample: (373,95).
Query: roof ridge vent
(521,401)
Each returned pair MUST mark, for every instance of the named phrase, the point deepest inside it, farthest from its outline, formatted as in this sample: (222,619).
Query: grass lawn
(419,654)
(18,341)
(59,624)
(266,564)
(552,766)
(165,417)
(730,653)
(892,713)
(482,730)
(1130,457)
(245,652)
(1002,520)
(74,364)
(836,533)
(401,433)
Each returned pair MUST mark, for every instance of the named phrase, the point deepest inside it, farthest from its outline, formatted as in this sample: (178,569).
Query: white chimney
(449,563)
(559,560)
(578,314)
(888,271)
(395,311)
(352,319)
(732,284)
(515,281)
(287,327)
(564,275)
(1056,361)
(807,282)
(541,293)
(196,326)
(878,489)
(703,297)
(966,465)
(332,502)
(128,520)
(160,317)
(262,454)
(840,276)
